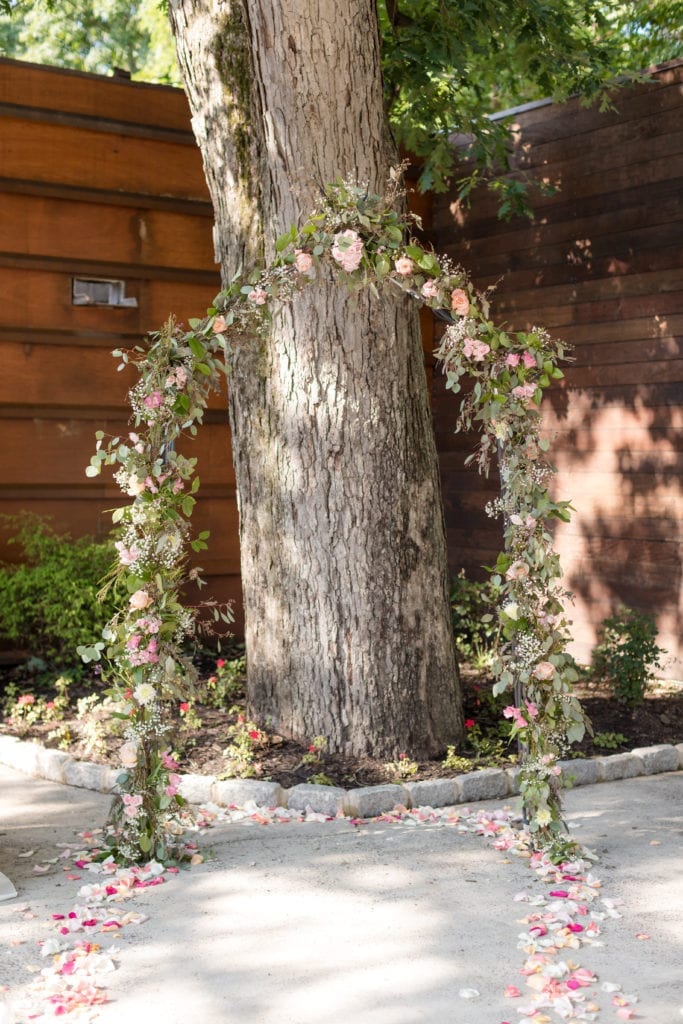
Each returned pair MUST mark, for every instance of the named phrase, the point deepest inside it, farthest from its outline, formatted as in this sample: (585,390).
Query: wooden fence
(102,194)
(100,181)
(600,265)
(101,187)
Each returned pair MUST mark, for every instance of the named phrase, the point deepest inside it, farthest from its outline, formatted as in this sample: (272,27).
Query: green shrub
(49,603)
(609,740)
(474,616)
(627,654)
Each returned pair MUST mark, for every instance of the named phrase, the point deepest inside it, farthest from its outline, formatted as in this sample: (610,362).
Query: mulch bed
(658,720)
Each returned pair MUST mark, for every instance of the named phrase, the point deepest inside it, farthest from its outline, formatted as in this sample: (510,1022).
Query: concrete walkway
(330,923)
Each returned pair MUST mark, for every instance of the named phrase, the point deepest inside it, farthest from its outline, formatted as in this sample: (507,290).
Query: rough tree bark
(341,527)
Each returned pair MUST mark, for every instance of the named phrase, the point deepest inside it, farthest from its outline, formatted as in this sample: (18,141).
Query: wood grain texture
(601,265)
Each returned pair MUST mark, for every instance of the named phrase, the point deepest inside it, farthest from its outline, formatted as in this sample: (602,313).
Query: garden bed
(204,734)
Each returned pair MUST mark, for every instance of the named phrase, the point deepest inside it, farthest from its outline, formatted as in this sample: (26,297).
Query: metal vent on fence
(100,291)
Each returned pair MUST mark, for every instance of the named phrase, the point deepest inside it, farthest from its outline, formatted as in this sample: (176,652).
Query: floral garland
(364,237)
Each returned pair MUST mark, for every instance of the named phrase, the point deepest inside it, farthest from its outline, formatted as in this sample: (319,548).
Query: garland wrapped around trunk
(368,242)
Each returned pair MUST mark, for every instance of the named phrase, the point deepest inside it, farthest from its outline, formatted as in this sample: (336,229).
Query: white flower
(511,609)
(134,485)
(144,693)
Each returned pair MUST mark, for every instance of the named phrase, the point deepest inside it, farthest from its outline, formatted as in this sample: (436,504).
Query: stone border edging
(366,802)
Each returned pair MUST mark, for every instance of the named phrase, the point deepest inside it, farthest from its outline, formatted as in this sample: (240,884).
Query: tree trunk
(341,526)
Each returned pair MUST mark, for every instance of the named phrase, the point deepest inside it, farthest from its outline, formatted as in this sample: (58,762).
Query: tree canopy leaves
(447,64)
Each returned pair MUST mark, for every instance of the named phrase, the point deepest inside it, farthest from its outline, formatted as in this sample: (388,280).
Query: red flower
(220,663)
(254,734)
(470,723)
(184,708)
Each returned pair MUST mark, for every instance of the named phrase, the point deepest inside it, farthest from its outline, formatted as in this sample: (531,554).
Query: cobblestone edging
(485,784)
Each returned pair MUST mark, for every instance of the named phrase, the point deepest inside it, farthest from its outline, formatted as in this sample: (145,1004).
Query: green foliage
(92,35)
(490,748)
(455,762)
(476,627)
(226,684)
(245,738)
(609,740)
(320,779)
(627,654)
(448,64)
(401,769)
(49,604)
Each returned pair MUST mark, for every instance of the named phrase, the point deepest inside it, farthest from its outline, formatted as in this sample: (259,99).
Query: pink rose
(154,400)
(218,325)
(516,715)
(531,708)
(429,289)
(460,302)
(347,250)
(529,522)
(303,261)
(140,600)
(127,556)
(131,805)
(475,349)
(524,391)
(545,670)
(258,296)
(404,266)
(528,360)
(512,359)
(519,570)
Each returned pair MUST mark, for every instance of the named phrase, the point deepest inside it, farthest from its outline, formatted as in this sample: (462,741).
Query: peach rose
(545,670)
(128,755)
(219,325)
(519,570)
(303,261)
(460,302)
(404,266)
(140,600)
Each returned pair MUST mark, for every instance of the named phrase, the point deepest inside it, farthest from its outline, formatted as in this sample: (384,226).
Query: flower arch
(364,237)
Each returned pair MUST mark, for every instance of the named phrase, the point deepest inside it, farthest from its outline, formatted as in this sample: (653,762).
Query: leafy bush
(474,616)
(627,654)
(49,604)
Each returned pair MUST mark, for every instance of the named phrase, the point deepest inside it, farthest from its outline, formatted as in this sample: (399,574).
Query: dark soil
(659,719)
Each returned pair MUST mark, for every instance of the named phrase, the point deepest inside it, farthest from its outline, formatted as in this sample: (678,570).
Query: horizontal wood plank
(61,89)
(73,156)
(44,226)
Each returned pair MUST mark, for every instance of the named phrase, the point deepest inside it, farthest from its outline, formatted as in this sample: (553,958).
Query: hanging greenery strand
(364,237)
